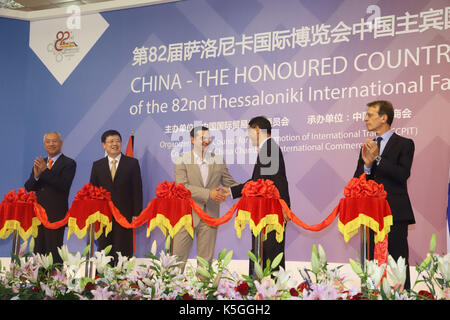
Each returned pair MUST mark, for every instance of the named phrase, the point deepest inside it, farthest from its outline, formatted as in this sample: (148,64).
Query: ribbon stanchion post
(89,267)
(258,251)
(90,213)
(259,207)
(365,208)
(364,246)
(170,211)
(17,216)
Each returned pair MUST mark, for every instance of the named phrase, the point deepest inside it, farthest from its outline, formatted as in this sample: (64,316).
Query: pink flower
(101,293)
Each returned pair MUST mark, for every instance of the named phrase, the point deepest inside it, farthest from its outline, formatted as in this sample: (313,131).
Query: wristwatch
(378,159)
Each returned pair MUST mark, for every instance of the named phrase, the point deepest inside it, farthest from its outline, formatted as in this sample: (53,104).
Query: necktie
(113,168)
(50,164)
(379,144)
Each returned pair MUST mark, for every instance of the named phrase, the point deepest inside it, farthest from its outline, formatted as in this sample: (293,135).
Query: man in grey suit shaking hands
(202,172)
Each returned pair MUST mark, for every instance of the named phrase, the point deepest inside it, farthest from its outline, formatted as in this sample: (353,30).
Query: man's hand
(219,194)
(39,166)
(369,152)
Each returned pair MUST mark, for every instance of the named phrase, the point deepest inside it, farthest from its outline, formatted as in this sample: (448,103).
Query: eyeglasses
(113,141)
(370,115)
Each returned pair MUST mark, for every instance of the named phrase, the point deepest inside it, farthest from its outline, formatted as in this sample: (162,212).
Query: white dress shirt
(203,166)
(110,161)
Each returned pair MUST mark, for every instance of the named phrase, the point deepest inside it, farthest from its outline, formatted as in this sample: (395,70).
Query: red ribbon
(174,201)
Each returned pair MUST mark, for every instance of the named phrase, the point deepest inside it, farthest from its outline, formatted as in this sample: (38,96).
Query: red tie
(50,163)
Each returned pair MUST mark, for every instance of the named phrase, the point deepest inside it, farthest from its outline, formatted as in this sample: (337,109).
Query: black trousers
(397,246)
(48,241)
(121,240)
(271,248)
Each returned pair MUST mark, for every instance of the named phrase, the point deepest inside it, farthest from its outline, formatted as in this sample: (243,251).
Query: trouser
(48,241)
(206,241)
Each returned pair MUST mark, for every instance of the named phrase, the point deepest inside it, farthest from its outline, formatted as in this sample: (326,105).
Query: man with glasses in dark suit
(387,160)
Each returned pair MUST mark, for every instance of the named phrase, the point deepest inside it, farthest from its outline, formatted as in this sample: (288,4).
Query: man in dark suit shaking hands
(269,165)
(51,179)
(121,176)
(387,160)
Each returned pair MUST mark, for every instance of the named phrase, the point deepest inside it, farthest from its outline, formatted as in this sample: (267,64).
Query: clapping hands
(39,166)
(369,152)
(219,194)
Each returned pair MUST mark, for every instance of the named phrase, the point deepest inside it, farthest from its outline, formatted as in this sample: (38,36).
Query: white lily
(397,271)
(44,260)
(386,287)
(444,266)
(285,280)
(124,264)
(101,261)
(63,252)
(375,272)
(69,259)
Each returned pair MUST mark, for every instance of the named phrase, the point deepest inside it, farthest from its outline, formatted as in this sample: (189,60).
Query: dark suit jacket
(269,165)
(53,187)
(126,189)
(126,194)
(393,172)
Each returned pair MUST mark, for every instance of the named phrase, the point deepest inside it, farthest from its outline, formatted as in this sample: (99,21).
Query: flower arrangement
(35,276)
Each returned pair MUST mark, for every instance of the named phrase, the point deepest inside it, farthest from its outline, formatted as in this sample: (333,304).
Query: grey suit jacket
(187,172)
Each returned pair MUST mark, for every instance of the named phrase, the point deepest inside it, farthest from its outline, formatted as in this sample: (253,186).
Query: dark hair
(385,108)
(108,133)
(199,128)
(262,123)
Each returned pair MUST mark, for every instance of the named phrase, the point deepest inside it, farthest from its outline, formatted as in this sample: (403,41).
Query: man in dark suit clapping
(121,176)
(51,179)
(387,160)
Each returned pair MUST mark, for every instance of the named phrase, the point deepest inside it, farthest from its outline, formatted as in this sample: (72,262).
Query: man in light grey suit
(201,172)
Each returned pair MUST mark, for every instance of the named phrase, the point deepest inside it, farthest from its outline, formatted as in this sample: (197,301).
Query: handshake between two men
(219,194)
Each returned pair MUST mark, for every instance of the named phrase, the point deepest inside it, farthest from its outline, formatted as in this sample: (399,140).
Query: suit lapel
(122,163)
(389,144)
(105,168)
(57,163)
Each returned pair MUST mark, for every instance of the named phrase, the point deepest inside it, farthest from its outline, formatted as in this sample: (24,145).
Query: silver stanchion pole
(16,243)
(89,270)
(365,239)
(15,248)
(258,251)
